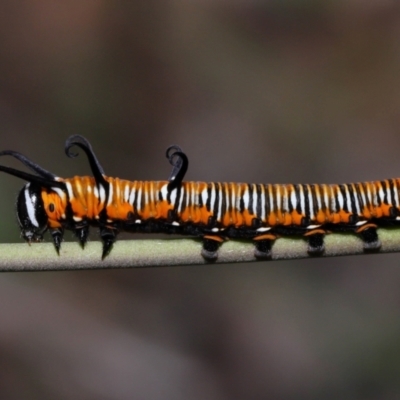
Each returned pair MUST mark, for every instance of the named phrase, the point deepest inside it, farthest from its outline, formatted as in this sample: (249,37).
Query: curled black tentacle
(81,142)
(29,163)
(180,164)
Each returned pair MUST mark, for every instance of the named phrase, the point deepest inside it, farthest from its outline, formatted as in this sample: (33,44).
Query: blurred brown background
(257,91)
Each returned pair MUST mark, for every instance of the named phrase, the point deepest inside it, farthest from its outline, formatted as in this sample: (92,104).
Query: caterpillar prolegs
(212,211)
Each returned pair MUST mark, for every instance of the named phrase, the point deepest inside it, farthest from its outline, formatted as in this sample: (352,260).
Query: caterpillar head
(42,202)
(31,214)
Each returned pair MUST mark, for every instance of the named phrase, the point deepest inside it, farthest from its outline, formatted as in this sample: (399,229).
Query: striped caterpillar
(211,211)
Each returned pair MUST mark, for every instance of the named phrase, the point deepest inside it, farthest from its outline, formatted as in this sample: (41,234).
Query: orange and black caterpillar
(211,211)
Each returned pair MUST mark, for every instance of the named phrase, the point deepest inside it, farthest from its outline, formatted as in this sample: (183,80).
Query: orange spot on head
(54,207)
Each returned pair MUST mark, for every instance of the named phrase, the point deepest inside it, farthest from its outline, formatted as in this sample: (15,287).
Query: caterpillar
(212,211)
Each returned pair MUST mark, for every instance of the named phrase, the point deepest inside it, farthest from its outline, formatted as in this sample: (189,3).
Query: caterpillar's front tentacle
(57,236)
(29,163)
(26,176)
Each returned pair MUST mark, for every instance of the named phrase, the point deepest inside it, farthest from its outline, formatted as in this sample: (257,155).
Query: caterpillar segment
(212,211)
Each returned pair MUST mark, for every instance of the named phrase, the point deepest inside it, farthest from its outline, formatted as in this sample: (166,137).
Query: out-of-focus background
(256,91)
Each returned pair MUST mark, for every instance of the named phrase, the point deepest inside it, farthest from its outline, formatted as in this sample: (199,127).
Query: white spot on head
(77,219)
(138,221)
(263,229)
(30,207)
(215,230)
(59,191)
(175,223)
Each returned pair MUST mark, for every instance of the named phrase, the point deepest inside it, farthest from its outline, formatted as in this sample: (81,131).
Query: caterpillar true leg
(57,236)
(82,233)
(108,237)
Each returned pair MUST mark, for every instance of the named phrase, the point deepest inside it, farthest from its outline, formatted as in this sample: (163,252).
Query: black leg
(108,237)
(316,244)
(263,248)
(210,249)
(57,235)
(370,239)
(82,234)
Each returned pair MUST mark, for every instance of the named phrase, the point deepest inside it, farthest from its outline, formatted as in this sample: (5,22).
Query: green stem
(170,252)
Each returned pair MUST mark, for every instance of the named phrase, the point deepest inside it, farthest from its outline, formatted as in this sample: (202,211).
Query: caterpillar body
(211,211)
